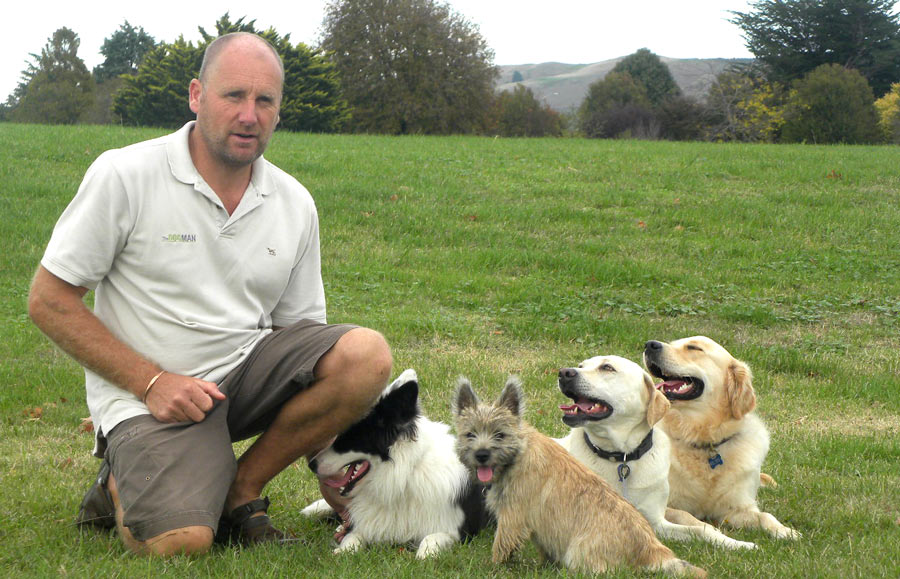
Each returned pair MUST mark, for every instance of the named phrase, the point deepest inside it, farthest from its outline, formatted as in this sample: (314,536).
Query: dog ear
(402,403)
(513,398)
(739,389)
(658,404)
(465,397)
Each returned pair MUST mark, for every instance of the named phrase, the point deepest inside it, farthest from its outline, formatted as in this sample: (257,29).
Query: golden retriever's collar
(614,456)
(712,450)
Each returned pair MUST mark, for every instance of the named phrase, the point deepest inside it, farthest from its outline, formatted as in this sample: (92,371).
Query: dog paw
(434,544)
(788,533)
(317,509)
(349,544)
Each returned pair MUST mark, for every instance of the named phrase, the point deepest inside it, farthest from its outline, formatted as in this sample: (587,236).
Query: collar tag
(624,471)
(716,460)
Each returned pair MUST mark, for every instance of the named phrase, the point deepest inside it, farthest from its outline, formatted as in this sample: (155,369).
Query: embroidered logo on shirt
(180,238)
(271,251)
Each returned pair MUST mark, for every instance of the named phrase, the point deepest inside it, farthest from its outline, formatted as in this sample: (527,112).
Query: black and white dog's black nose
(313,464)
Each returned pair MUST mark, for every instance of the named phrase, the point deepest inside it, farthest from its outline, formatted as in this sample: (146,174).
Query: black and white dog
(402,476)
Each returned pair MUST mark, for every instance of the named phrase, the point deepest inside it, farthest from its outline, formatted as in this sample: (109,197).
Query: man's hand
(177,398)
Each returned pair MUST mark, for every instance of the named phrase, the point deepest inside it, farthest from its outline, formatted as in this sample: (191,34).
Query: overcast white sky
(519,31)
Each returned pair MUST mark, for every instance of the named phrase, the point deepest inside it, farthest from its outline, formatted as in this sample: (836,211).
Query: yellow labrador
(718,442)
(613,412)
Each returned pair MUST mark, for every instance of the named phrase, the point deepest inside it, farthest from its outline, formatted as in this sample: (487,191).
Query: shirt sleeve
(92,230)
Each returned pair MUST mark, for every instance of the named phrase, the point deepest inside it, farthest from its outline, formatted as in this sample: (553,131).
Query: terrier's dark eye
(499,436)
(470,435)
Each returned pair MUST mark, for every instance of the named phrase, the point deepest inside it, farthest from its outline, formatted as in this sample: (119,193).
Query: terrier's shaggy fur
(537,490)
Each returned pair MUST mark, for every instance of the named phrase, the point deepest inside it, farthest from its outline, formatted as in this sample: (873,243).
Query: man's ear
(195,91)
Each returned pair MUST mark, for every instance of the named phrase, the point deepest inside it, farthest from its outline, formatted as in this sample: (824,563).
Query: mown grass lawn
(486,257)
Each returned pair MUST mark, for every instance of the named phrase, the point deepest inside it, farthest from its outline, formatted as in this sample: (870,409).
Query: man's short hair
(216,46)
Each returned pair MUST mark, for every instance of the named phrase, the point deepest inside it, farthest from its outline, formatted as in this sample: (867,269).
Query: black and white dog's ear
(465,397)
(401,404)
(513,398)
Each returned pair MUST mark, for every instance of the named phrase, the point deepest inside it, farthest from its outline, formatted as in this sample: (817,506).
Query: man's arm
(57,309)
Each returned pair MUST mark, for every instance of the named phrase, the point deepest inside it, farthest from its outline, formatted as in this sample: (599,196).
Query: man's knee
(361,353)
(194,540)
(355,370)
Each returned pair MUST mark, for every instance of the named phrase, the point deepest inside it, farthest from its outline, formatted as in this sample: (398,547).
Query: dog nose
(313,466)
(567,373)
(482,456)
(653,346)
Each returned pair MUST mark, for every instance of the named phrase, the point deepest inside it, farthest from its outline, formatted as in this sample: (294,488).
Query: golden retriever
(615,408)
(718,442)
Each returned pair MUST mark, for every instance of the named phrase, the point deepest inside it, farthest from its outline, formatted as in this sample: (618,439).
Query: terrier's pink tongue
(485,473)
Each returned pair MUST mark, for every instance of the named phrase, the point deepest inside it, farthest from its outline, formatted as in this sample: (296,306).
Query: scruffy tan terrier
(537,490)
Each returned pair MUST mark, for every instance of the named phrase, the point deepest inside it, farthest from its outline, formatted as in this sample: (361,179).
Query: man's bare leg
(348,379)
(185,541)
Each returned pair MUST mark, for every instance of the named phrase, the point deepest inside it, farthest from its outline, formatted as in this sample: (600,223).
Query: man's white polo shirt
(177,278)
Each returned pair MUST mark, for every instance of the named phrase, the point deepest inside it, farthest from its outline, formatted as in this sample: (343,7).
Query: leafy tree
(409,66)
(57,88)
(648,70)
(521,114)
(744,107)
(888,108)
(681,118)
(793,37)
(311,100)
(831,104)
(611,100)
(123,50)
(157,95)
(517,76)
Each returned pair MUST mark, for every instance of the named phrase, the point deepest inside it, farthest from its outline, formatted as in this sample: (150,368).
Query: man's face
(237,105)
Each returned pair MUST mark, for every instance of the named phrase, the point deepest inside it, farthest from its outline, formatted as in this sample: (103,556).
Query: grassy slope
(485,257)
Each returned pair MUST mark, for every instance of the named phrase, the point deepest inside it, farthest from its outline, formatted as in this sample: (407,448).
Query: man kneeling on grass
(209,318)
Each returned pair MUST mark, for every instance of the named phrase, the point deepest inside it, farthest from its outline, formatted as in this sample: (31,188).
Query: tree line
(825,71)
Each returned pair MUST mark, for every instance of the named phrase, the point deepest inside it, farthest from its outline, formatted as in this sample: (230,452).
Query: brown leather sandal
(239,526)
(97,509)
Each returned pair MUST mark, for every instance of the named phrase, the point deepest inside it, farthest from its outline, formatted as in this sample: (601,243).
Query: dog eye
(693,347)
(607,368)
(499,435)
(470,435)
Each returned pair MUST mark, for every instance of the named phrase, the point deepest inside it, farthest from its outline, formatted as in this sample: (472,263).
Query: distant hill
(564,86)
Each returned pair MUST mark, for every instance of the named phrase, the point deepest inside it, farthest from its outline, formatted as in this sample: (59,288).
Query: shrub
(831,104)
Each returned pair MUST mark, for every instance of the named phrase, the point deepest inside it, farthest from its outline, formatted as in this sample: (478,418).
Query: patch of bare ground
(864,422)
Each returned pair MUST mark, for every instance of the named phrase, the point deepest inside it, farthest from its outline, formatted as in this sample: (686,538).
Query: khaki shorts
(171,476)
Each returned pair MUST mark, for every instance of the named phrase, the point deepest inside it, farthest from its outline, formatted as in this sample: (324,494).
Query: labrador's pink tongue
(485,473)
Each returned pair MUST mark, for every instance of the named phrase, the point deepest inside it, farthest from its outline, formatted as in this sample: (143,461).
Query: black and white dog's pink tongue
(485,473)
(337,482)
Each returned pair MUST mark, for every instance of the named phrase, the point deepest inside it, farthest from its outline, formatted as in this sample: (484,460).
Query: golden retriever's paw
(787,533)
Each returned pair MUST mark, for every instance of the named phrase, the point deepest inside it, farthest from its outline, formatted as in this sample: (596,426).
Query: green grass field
(486,257)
